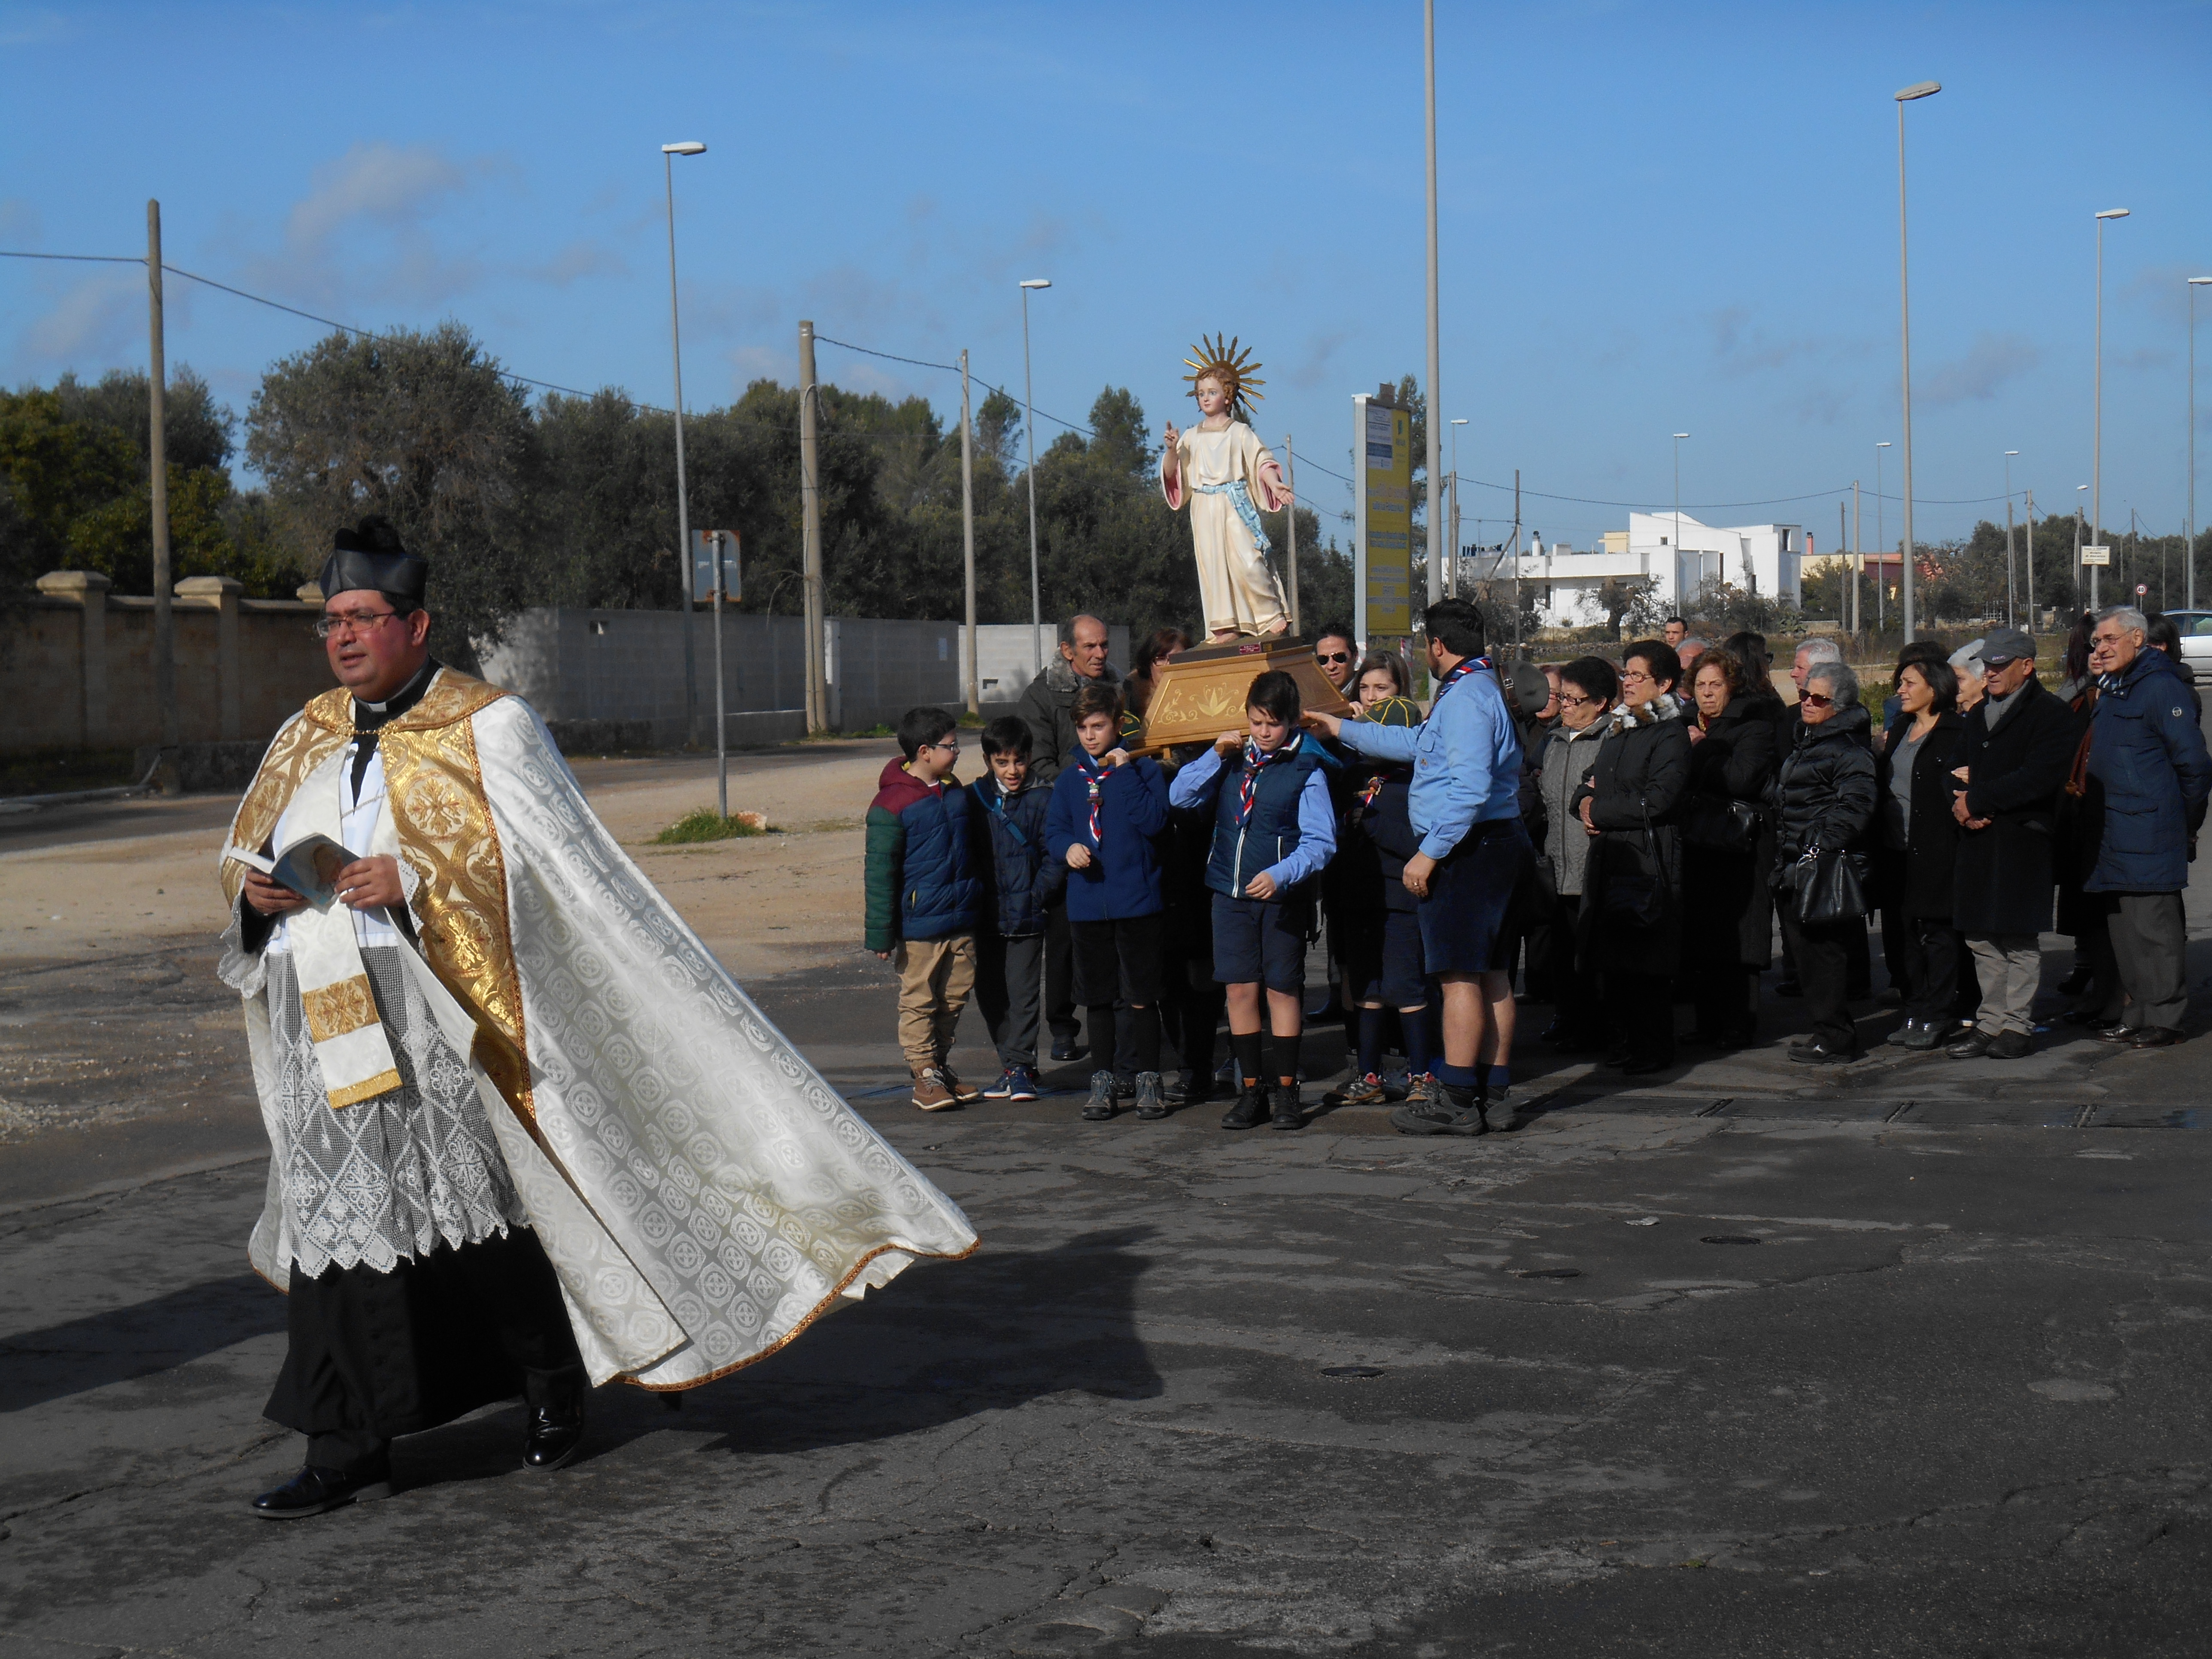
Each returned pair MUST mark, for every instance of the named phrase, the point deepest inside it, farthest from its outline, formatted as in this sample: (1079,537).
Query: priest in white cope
(527,1135)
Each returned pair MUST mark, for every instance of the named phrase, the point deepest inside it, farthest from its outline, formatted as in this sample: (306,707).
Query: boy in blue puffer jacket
(1107,811)
(1010,947)
(925,897)
(1274,830)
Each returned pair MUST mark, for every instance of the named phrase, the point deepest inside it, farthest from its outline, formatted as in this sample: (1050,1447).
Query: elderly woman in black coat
(1631,904)
(1918,848)
(1825,799)
(1728,914)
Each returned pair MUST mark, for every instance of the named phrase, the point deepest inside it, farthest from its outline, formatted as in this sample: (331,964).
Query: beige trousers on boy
(935,978)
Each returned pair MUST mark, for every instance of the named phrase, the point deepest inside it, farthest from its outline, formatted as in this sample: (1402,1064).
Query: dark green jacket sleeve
(886,868)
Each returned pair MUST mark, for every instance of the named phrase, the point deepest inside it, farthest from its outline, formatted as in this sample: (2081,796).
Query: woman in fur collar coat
(1632,909)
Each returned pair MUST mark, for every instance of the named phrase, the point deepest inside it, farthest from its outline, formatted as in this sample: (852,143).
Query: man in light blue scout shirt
(1465,806)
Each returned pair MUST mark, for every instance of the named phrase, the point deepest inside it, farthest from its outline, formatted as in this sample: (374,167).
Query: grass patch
(840,736)
(705,823)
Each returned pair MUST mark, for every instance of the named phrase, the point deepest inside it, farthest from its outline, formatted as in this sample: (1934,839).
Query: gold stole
(434,794)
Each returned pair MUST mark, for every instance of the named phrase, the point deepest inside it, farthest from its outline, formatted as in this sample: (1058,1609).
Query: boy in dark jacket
(1274,831)
(1010,948)
(925,897)
(1107,810)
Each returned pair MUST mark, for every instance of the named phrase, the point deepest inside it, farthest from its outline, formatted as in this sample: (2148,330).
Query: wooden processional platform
(1199,693)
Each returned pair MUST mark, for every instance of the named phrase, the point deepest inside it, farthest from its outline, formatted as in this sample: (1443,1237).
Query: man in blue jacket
(1465,805)
(2147,751)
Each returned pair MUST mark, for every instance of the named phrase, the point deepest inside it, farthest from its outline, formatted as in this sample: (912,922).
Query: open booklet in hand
(309,866)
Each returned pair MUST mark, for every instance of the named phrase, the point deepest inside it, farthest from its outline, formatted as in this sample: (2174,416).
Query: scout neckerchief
(1248,788)
(1459,671)
(1095,774)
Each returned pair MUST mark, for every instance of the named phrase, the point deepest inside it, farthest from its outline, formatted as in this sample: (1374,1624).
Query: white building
(1672,557)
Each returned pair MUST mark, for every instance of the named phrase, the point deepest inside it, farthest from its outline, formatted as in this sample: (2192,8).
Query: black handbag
(1636,895)
(1830,887)
(1716,825)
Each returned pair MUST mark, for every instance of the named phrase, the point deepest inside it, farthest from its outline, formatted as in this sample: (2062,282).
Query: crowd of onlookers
(1621,837)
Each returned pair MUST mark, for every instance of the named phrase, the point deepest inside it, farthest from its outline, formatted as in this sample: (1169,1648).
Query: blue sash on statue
(1240,498)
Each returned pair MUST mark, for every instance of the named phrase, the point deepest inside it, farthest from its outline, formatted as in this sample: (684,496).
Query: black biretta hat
(369,556)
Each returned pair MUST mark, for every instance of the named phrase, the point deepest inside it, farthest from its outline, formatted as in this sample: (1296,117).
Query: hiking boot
(1283,1109)
(1250,1110)
(1366,1091)
(1100,1106)
(962,1092)
(1150,1105)
(931,1091)
(1423,1090)
(1454,1112)
(1125,1085)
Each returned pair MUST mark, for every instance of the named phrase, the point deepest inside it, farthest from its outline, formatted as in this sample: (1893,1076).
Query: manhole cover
(1727,1238)
(1547,1272)
(1352,1371)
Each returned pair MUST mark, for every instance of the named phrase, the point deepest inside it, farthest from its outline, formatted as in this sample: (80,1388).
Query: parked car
(2195,628)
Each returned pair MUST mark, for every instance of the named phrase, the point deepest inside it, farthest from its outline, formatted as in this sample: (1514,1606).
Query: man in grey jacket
(1049,707)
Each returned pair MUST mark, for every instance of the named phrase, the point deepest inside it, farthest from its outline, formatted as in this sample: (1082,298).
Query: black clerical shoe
(554,1437)
(316,1490)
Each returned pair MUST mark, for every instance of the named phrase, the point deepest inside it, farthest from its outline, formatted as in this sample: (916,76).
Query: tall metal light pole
(157,384)
(1028,431)
(1451,564)
(2027,548)
(2097,443)
(967,535)
(1882,546)
(1918,89)
(1436,573)
(2189,547)
(2079,604)
(2009,621)
(1678,436)
(668,154)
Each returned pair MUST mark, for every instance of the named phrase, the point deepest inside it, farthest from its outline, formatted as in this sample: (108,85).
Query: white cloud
(19,220)
(1989,363)
(100,320)
(378,182)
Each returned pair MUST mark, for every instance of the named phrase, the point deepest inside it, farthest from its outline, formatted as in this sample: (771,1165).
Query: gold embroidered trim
(434,787)
(299,749)
(354,1093)
(334,1009)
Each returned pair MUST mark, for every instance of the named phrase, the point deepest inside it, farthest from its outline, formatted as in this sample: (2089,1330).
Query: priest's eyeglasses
(359,621)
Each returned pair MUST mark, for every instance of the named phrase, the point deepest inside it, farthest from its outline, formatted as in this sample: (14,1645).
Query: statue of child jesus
(1229,477)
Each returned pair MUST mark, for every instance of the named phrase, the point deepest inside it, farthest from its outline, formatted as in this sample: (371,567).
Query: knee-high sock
(1282,1057)
(1368,1060)
(1418,1055)
(1246,1046)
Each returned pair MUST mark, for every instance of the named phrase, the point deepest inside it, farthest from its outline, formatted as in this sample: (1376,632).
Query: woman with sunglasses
(1824,798)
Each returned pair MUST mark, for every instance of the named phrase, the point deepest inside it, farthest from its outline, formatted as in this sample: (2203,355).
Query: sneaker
(962,1092)
(1100,1106)
(931,1092)
(1250,1110)
(1004,1088)
(1454,1112)
(1284,1110)
(1366,1091)
(1025,1083)
(1423,1090)
(1150,1105)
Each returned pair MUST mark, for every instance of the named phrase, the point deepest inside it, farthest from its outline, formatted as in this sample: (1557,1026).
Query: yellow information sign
(1385,511)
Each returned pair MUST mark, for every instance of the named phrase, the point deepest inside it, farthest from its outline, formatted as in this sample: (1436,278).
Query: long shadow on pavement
(119,1344)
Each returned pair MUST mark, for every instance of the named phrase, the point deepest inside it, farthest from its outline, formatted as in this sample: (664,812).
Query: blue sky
(1655,218)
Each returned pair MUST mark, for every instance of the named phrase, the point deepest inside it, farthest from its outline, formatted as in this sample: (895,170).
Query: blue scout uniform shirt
(1466,758)
(1194,785)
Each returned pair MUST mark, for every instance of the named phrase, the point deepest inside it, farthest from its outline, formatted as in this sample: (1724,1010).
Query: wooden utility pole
(1858,560)
(165,626)
(967,537)
(1291,527)
(1850,618)
(810,490)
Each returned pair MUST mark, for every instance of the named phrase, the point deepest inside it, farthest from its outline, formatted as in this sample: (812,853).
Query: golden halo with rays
(1232,366)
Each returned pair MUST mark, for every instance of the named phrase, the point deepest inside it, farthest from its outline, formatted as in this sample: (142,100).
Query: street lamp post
(1451,556)
(2097,442)
(2189,547)
(1882,546)
(1678,436)
(668,154)
(2078,601)
(2010,620)
(1028,430)
(1434,461)
(1918,89)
